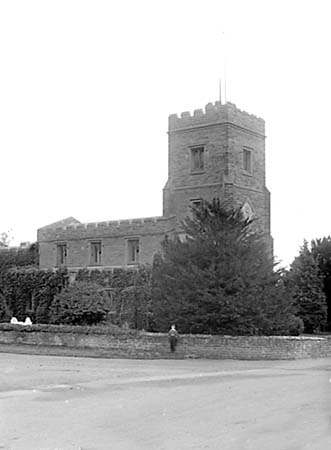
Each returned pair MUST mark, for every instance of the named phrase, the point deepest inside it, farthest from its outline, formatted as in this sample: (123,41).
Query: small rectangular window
(95,257)
(247,160)
(196,203)
(194,206)
(133,251)
(197,159)
(61,254)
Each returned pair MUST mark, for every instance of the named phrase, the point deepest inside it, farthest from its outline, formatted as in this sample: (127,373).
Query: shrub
(129,292)
(5,313)
(111,330)
(21,257)
(80,303)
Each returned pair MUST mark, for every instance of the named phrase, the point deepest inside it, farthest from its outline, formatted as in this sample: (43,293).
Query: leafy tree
(321,250)
(307,284)
(19,257)
(5,312)
(220,278)
(4,239)
(80,303)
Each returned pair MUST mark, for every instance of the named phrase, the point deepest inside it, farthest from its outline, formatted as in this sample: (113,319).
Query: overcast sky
(86,88)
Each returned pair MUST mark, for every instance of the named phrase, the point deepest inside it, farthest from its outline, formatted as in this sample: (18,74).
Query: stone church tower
(218,152)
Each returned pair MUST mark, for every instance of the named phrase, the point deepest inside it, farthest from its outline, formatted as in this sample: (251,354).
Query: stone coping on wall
(143,345)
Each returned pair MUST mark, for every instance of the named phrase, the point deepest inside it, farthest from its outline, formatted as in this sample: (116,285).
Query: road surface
(66,403)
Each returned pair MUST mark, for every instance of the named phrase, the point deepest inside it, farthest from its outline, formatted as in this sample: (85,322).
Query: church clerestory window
(133,251)
(96,253)
(61,254)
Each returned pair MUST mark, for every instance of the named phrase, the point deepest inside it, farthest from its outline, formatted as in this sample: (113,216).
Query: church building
(215,152)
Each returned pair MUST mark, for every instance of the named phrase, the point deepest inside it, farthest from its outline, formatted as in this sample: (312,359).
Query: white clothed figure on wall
(27,321)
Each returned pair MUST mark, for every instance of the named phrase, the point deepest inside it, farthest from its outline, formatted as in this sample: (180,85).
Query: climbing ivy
(28,292)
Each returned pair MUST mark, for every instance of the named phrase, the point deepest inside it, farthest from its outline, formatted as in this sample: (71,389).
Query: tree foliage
(29,292)
(4,239)
(19,257)
(129,292)
(220,278)
(307,282)
(80,303)
(321,251)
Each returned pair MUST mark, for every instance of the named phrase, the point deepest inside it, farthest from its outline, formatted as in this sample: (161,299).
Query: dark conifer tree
(220,278)
(321,250)
(309,297)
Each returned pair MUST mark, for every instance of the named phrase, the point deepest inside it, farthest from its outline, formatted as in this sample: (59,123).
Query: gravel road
(67,403)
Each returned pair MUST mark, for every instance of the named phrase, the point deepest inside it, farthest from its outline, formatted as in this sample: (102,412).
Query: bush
(129,291)
(29,292)
(5,313)
(293,326)
(81,303)
(21,257)
(111,330)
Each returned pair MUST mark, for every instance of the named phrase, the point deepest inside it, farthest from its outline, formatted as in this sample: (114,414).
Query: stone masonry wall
(113,236)
(155,345)
(224,131)
(216,113)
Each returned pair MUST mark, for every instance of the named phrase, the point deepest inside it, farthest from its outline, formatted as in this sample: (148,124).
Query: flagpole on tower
(222,83)
(220,91)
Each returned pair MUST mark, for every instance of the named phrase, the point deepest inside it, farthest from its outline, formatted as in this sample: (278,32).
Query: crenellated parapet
(93,230)
(218,151)
(216,113)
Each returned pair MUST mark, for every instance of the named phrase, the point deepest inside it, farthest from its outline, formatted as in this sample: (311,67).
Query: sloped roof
(62,223)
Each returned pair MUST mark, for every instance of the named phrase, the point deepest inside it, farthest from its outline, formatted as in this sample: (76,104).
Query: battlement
(216,113)
(99,229)
(113,223)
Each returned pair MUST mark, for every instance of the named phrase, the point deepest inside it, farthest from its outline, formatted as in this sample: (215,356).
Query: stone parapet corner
(215,113)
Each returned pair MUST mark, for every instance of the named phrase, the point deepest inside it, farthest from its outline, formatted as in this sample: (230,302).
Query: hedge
(111,330)
(40,294)
(29,292)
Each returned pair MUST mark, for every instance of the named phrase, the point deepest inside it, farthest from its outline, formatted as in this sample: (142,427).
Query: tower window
(95,255)
(133,251)
(247,160)
(197,159)
(61,254)
(194,205)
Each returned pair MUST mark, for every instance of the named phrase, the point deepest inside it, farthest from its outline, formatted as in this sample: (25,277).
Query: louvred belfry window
(247,160)
(197,159)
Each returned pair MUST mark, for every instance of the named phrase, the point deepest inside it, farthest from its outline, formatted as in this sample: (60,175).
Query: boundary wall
(143,345)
